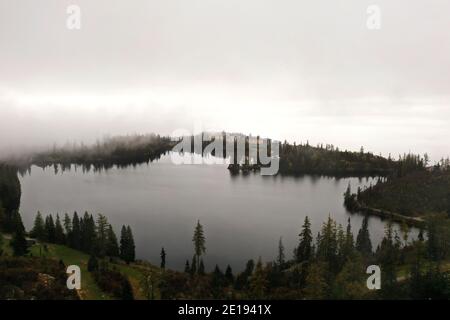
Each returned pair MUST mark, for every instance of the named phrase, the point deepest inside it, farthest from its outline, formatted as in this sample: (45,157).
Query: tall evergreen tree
(438,234)
(60,237)
(102,235)
(38,230)
(217,282)
(304,251)
(327,247)
(363,243)
(131,246)
(387,255)
(199,241)
(76,232)
(50,229)
(18,241)
(127,248)
(123,243)
(349,241)
(88,233)
(280,258)
(112,246)
(243,278)
(67,224)
(229,275)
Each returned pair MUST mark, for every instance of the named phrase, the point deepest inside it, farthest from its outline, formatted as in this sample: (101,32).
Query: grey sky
(288,69)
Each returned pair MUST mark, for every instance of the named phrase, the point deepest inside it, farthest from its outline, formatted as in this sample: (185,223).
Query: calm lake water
(243,216)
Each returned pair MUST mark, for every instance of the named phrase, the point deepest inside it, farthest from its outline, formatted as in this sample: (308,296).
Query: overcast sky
(290,69)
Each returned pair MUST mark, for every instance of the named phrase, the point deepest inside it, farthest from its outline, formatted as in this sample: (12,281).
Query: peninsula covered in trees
(118,150)
(423,192)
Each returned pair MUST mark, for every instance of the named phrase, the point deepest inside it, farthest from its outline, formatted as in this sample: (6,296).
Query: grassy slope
(89,289)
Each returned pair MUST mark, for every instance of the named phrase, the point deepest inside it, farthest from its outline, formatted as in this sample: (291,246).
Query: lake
(243,216)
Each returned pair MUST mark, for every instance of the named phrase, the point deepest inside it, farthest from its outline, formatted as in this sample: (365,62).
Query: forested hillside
(118,150)
(416,194)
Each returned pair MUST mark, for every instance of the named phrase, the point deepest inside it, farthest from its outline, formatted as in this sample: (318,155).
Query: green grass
(135,273)
(89,289)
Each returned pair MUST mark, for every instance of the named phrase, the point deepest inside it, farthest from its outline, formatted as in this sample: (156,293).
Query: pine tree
(349,241)
(163,258)
(217,282)
(124,244)
(199,241)
(348,191)
(50,229)
(67,224)
(76,232)
(102,235)
(304,251)
(387,255)
(112,247)
(350,199)
(243,278)
(363,243)
(131,246)
(38,230)
(88,233)
(60,237)
(280,258)
(19,242)
(229,275)
(127,247)
(341,247)
(327,247)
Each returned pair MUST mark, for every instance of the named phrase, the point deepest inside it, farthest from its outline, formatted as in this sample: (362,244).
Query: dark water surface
(243,216)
